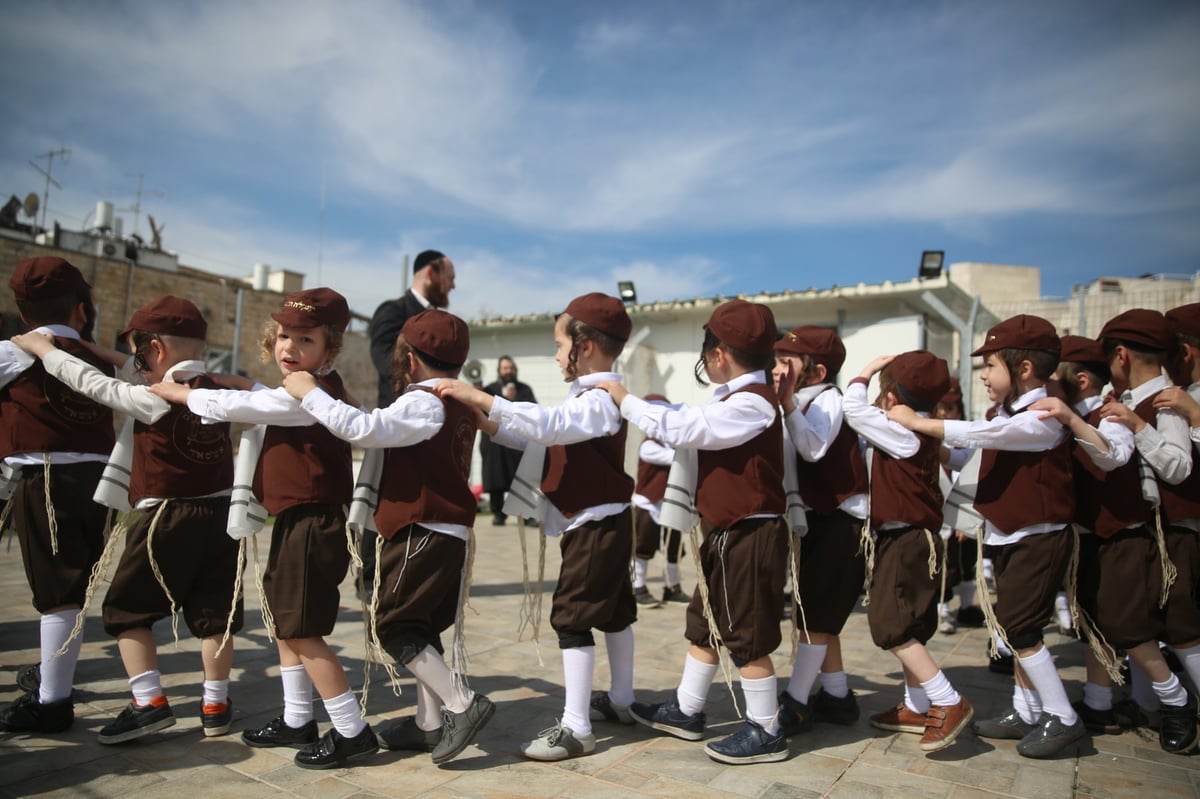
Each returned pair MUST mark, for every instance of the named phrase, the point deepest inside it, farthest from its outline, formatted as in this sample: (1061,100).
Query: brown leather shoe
(944,723)
(899,719)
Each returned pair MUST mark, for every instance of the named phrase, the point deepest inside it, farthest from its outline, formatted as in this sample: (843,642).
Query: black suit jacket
(385,326)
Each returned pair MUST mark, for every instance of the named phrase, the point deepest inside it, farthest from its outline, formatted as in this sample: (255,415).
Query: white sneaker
(559,743)
(946,623)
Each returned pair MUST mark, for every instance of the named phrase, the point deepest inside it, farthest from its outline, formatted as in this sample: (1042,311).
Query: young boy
(424,524)
(654,465)
(584,480)
(59,440)
(176,553)
(1025,496)
(906,510)
(832,478)
(738,442)
(304,479)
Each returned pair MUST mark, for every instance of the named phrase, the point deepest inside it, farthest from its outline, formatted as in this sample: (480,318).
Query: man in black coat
(500,463)
(433,280)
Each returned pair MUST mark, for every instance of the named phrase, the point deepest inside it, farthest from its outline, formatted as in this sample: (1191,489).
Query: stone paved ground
(855,761)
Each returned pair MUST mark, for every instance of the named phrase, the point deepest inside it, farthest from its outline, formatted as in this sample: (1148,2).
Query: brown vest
(39,413)
(586,474)
(180,456)
(652,480)
(1108,502)
(430,481)
(302,465)
(1182,501)
(1019,489)
(908,490)
(838,475)
(745,480)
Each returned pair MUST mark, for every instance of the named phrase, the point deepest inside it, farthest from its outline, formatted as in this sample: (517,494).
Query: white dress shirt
(812,429)
(1166,444)
(712,426)
(655,454)
(1118,436)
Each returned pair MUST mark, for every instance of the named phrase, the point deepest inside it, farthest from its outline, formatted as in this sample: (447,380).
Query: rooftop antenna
(61,152)
(137,205)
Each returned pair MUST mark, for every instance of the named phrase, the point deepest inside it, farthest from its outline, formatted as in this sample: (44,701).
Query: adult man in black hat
(500,463)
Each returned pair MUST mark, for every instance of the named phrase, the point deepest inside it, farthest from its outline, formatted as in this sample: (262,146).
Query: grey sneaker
(1010,726)
(559,743)
(603,709)
(459,729)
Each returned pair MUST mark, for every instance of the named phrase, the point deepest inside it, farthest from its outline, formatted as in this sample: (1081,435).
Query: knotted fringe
(1169,572)
(51,518)
(264,607)
(531,603)
(933,564)
(158,572)
(714,634)
(799,622)
(460,659)
(1105,655)
(985,602)
(4,514)
(374,647)
(99,573)
(866,545)
(356,563)
(945,570)
(237,592)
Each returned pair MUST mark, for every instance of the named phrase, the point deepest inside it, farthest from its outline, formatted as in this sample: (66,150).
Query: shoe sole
(279,744)
(342,763)
(912,729)
(140,732)
(767,757)
(677,732)
(952,736)
(555,759)
(212,732)
(469,738)
(1055,751)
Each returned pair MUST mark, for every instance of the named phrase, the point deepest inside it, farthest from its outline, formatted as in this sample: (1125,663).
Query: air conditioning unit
(109,248)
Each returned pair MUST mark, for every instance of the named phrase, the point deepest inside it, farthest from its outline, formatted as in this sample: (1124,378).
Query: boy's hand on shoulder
(615,390)
(299,384)
(1180,401)
(1121,414)
(904,415)
(1053,408)
(171,392)
(465,393)
(36,344)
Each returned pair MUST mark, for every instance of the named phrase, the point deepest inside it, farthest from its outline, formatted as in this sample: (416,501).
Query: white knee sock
(620,666)
(762,703)
(1190,658)
(1039,669)
(915,699)
(58,673)
(672,574)
(1097,697)
(640,567)
(297,696)
(578,664)
(1027,703)
(804,673)
(966,593)
(146,686)
(345,714)
(697,678)
(835,684)
(429,708)
(430,668)
(1171,691)
(940,691)
(216,692)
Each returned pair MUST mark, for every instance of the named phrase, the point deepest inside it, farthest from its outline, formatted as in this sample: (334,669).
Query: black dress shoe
(1010,726)
(335,750)
(1050,737)
(1178,731)
(278,733)
(1098,722)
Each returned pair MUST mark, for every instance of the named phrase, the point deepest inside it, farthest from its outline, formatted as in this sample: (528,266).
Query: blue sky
(697,148)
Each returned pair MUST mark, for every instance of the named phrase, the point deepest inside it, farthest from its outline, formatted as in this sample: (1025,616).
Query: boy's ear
(820,373)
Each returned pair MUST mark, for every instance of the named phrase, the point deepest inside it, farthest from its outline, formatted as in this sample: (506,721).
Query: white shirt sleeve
(136,401)
(414,417)
(814,430)
(587,415)
(716,425)
(654,453)
(1166,446)
(958,458)
(13,361)
(273,406)
(1021,432)
(872,423)
(1120,446)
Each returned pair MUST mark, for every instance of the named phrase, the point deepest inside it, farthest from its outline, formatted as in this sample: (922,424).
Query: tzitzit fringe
(530,615)
(714,634)
(158,573)
(799,621)
(356,561)
(1169,572)
(4,514)
(50,517)
(985,602)
(375,651)
(1101,649)
(933,563)
(866,545)
(99,573)
(945,569)
(263,605)
(237,592)
(460,659)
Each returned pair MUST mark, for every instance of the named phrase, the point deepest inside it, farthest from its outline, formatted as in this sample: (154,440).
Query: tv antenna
(137,205)
(48,173)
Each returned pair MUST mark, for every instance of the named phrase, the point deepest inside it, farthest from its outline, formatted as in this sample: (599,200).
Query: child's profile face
(300,349)
(995,377)
(782,361)
(562,348)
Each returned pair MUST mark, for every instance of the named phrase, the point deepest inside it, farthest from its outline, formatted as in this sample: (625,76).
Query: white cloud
(605,37)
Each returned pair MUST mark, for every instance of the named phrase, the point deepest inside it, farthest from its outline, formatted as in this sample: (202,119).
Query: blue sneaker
(750,744)
(667,717)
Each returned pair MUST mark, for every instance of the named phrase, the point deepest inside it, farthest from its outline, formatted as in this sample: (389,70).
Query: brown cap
(604,313)
(822,344)
(921,377)
(169,316)
(44,278)
(954,393)
(314,308)
(1081,349)
(1185,320)
(746,326)
(1022,332)
(1140,327)
(440,335)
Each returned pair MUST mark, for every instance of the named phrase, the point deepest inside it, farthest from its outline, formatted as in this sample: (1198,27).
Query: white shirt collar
(590,380)
(1133,397)
(185,370)
(741,381)
(58,331)
(1088,404)
(420,298)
